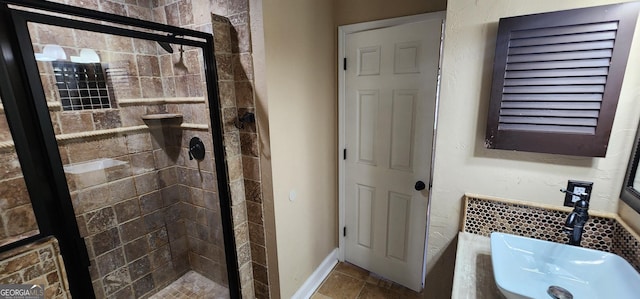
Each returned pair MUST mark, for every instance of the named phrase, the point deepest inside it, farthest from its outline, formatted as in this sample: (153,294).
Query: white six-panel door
(390,93)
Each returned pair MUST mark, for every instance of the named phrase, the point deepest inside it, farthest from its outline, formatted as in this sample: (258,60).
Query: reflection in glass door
(17,220)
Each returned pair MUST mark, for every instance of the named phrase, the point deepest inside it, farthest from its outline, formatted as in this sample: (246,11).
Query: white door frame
(342,33)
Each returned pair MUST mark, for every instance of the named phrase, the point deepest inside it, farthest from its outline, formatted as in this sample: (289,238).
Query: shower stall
(111,143)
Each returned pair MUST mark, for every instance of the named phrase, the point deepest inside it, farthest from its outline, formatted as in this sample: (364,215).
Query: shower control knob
(420,186)
(196,149)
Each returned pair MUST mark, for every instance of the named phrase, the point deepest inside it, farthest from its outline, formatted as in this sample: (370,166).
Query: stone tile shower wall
(130,216)
(201,210)
(141,70)
(230,27)
(16,214)
(236,75)
(149,221)
(121,211)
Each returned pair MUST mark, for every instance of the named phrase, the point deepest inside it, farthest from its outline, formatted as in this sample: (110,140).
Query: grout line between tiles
(364,283)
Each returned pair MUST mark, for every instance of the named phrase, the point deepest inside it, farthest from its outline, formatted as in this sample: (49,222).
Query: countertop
(473,276)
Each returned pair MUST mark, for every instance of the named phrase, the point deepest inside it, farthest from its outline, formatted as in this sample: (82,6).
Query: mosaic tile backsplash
(626,245)
(484,216)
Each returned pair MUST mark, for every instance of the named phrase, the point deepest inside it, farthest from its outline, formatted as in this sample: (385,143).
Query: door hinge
(344,154)
(344,63)
(344,231)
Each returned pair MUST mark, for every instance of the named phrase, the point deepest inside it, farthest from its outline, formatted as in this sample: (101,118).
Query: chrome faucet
(574,226)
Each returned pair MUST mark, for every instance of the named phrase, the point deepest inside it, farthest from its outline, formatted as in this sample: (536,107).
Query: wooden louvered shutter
(557,79)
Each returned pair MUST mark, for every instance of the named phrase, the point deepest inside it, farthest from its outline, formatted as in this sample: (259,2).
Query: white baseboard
(317,277)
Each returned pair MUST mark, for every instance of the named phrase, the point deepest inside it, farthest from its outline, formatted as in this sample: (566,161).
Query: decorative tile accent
(626,245)
(37,263)
(82,86)
(484,216)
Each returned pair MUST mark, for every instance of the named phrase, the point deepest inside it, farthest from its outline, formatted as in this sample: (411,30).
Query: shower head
(166,46)
(180,64)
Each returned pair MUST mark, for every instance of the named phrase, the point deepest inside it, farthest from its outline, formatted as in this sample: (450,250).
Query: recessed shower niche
(120,125)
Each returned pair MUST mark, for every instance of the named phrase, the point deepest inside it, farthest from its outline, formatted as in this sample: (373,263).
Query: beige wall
(300,47)
(357,11)
(301,89)
(630,216)
(300,80)
(464,165)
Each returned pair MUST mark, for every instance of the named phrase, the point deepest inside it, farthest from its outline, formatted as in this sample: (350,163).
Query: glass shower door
(17,219)
(124,111)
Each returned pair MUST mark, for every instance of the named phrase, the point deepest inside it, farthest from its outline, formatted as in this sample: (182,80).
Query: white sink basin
(526,268)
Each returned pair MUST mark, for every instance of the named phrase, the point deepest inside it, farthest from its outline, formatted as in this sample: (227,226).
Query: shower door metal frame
(36,140)
(53,216)
(25,135)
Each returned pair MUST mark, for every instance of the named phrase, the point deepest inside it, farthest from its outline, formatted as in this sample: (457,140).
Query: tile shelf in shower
(95,172)
(172,100)
(162,119)
(162,116)
(93,165)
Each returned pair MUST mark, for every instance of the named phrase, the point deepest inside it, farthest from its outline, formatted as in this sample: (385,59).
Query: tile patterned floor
(347,281)
(192,286)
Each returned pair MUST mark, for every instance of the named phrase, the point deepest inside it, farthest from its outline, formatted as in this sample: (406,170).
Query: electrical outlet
(577,187)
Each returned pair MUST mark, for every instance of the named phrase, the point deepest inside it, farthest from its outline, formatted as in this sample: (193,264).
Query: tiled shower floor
(192,286)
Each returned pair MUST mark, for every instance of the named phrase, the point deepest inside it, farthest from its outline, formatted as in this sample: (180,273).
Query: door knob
(420,185)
